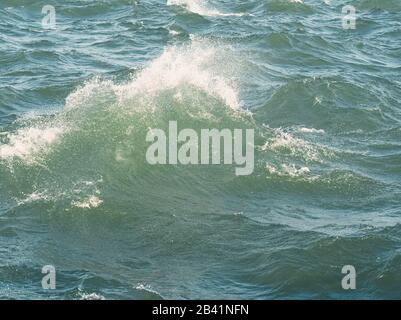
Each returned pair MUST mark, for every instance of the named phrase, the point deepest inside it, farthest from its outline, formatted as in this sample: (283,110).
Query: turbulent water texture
(77,193)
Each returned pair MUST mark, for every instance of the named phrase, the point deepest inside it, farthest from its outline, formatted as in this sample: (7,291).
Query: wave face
(76,191)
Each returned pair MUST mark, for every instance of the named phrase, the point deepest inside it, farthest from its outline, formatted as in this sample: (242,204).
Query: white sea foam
(88,203)
(199,64)
(193,64)
(27,142)
(82,95)
(90,296)
(147,288)
(310,130)
(174,32)
(295,146)
(33,197)
(290,170)
(200,7)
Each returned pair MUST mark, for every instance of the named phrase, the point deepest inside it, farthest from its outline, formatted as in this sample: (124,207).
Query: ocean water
(76,102)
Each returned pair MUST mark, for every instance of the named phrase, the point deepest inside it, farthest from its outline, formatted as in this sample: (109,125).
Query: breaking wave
(97,142)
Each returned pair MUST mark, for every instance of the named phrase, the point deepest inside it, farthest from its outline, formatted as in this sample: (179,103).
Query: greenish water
(77,193)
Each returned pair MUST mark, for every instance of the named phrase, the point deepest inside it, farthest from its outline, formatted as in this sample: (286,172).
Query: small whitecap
(147,288)
(88,203)
(310,130)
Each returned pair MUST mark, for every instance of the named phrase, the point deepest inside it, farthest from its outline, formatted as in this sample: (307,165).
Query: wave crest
(200,7)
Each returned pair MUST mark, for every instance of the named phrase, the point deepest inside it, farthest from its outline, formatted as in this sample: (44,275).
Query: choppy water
(75,189)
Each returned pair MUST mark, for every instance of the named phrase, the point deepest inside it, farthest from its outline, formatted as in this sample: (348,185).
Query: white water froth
(284,141)
(310,130)
(88,203)
(194,64)
(197,64)
(34,197)
(147,288)
(90,296)
(27,142)
(290,170)
(200,7)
